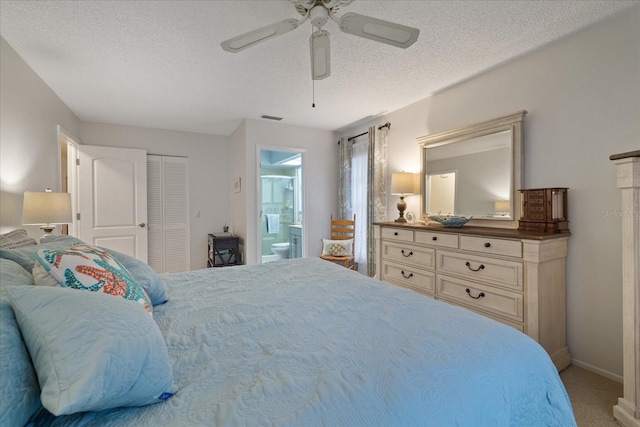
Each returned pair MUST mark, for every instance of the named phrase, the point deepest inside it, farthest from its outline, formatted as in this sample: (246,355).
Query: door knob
(142,225)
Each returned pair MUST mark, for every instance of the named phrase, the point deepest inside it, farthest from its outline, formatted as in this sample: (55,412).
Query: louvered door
(168,213)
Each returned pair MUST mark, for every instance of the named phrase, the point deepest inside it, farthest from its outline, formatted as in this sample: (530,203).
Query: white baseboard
(596,370)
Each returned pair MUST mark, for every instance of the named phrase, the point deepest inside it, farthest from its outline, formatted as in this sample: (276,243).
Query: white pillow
(41,276)
(337,247)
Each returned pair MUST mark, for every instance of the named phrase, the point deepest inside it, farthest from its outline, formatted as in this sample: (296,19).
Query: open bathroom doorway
(281,204)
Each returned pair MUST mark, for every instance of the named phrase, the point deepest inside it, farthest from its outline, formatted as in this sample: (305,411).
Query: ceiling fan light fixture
(319,16)
(320,55)
(379,30)
(318,12)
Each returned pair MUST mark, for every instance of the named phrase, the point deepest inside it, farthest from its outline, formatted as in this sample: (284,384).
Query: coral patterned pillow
(90,268)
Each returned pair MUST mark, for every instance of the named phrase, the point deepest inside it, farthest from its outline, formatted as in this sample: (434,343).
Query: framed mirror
(476,171)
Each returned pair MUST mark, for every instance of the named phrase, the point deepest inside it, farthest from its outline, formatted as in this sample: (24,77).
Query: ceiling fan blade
(320,55)
(379,30)
(238,43)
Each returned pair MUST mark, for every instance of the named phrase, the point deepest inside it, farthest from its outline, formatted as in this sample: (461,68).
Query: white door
(112,198)
(442,190)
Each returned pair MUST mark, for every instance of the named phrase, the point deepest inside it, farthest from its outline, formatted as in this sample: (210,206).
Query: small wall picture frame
(237,185)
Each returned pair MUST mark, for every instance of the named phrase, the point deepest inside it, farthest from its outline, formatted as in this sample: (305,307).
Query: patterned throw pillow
(337,247)
(16,239)
(89,268)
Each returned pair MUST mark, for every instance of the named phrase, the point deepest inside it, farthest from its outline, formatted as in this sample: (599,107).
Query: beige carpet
(592,397)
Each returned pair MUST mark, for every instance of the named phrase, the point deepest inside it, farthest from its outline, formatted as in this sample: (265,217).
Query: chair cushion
(337,247)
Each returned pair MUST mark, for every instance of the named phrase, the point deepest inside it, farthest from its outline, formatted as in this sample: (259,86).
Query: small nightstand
(224,250)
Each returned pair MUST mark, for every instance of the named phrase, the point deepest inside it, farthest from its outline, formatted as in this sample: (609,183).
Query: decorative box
(544,209)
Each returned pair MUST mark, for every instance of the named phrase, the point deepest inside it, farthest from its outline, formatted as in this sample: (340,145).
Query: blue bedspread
(307,343)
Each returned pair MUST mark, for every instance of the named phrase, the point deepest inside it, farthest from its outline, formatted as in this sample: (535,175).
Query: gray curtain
(376,186)
(344,178)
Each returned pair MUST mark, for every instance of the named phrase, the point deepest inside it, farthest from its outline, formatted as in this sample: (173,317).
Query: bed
(299,342)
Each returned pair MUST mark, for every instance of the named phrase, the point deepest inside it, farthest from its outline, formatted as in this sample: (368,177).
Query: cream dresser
(514,277)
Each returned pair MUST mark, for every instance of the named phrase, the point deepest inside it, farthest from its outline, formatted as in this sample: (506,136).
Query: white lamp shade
(502,206)
(44,207)
(402,183)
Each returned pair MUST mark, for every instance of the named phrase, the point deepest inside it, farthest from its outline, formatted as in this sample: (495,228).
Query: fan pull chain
(313,81)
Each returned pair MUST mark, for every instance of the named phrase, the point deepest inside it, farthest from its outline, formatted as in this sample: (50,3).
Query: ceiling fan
(319,12)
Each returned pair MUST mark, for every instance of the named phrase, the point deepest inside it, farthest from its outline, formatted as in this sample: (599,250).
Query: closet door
(168,213)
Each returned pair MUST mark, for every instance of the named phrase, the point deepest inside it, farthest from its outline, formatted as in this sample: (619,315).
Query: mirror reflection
(475,170)
(471,177)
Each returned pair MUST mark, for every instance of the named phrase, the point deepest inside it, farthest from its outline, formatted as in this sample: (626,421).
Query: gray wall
(320,154)
(30,113)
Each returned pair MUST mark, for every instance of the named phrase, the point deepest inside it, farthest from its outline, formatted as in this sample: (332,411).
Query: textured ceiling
(159,64)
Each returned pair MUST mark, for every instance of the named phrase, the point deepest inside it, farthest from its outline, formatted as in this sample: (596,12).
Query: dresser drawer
(420,257)
(443,240)
(481,298)
(413,278)
(492,246)
(498,272)
(397,234)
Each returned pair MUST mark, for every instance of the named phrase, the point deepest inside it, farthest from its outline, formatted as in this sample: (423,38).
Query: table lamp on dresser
(402,184)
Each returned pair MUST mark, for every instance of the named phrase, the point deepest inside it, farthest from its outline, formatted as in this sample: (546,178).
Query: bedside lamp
(46,208)
(402,183)
(502,207)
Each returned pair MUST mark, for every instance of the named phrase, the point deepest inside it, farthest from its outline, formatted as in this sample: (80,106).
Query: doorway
(67,173)
(441,188)
(281,202)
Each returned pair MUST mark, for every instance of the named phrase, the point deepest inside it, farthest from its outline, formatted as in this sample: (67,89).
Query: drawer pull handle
(468,264)
(405,276)
(480,295)
(487,245)
(395,233)
(406,255)
(434,238)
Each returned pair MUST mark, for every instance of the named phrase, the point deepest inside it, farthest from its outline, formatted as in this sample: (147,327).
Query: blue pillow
(91,351)
(25,256)
(143,274)
(19,390)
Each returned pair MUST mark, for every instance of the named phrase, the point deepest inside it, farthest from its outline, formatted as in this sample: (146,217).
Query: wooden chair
(342,229)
